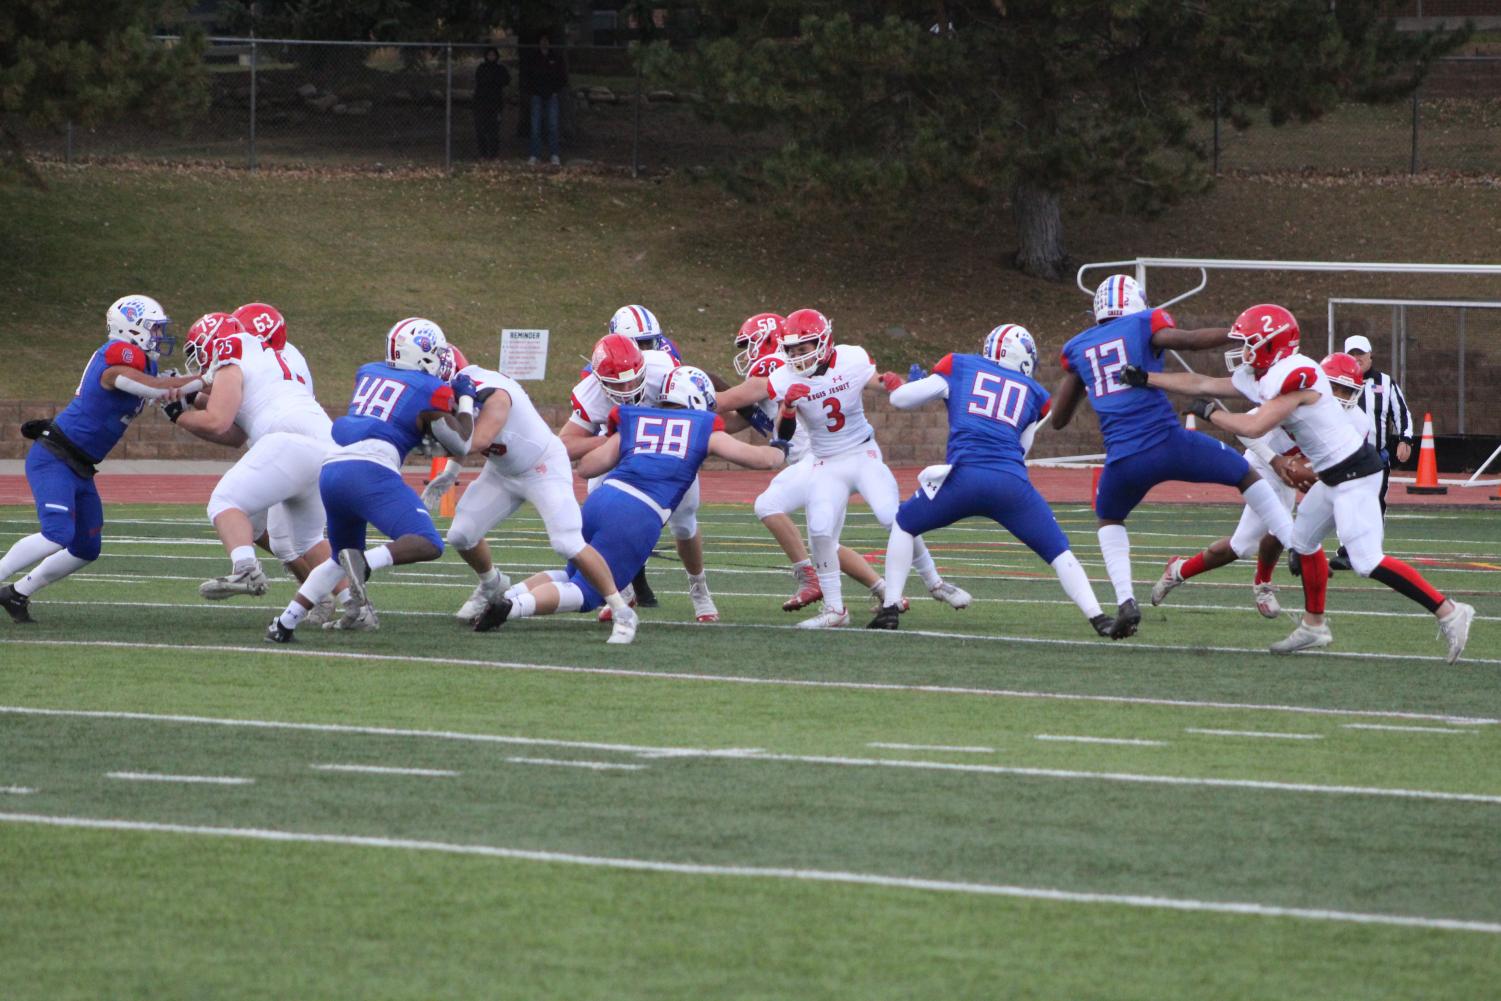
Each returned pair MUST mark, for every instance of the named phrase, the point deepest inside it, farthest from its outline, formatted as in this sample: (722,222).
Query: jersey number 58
(663,436)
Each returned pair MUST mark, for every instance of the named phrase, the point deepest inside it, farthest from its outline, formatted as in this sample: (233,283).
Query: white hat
(1357,343)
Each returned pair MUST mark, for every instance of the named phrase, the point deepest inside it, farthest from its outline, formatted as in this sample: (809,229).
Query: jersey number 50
(1002,404)
(663,436)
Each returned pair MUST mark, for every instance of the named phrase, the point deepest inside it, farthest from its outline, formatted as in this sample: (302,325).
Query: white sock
(292,616)
(241,556)
(1115,546)
(489,575)
(1263,500)
(571,598)
(613,599)
(922,562)
(1075,583)
(826,563)
(320,581)
(800,566)
(702,577)
(379,558)
(899,546)
(51,570)
(523,605)
(32,549)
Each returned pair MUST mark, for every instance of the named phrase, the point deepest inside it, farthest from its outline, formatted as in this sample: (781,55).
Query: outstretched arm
(1189,383)
(742,453)
(578,438)
(1258,422)
(148,387)
(217,419)
(601,459)
(915,394)
(1203,339)
(749,392)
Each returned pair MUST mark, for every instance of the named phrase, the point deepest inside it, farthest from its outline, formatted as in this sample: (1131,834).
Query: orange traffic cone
(1190,424)
(450,500)
(1427,463)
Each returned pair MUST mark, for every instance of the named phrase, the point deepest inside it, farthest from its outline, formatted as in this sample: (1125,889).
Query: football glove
(915,372)
(1202,408)
(463,385)
(432,494)
(1134,375)
(173,410)
(890,381)
(797,391)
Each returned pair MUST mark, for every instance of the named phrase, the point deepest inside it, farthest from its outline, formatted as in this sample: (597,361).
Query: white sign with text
(523,354)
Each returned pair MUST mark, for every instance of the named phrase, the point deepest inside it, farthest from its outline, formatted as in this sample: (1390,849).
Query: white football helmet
(416,344)
(140,320)
(639,324)
(1011,346)
(1117,295)
(689,388)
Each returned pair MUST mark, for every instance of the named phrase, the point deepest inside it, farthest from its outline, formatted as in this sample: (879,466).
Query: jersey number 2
(1106,361)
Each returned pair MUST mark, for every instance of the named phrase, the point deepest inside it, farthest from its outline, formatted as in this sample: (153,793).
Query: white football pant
(280,470)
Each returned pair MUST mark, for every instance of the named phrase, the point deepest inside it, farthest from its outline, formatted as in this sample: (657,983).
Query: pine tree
(1029,100)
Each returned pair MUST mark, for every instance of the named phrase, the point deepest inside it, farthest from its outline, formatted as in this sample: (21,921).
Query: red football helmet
(1344,372)
(265,322)
(808,340)
(620,368)
(759,336)
(199,347)
(1268,334)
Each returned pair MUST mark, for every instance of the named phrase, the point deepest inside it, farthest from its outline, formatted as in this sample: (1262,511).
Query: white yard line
(17,790)
(880,880)
(213,780)
(755,755)
(1253,733)
(1404,729)
(859,686)
(931,747)
(1124,741)
(379,770)
(598,766)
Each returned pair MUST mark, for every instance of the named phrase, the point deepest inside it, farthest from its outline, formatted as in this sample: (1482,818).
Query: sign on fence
(523,353)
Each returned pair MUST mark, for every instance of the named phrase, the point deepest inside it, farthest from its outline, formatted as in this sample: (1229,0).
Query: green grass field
(988,803)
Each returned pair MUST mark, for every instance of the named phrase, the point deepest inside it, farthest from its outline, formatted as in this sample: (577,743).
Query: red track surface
(1060,486)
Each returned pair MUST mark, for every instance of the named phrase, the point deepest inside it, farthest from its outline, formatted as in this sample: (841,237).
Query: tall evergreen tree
(83,61)
(1030,100)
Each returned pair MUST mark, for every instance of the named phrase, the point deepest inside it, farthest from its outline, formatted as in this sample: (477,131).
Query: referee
(1382,398)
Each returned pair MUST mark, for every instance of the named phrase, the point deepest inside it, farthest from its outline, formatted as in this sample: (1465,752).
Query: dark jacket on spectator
(490,82)
(543,73)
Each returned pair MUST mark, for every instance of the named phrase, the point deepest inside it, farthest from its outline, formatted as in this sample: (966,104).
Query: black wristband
(787,427)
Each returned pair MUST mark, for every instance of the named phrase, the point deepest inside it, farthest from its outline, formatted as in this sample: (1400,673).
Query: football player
(116,384)
(650,462)
(396,402)
(254,397)
(822,387)
(621,374)
(994,409)
(1293,392)
(524,462)
(1144,443)
(758,346)
(1279,461)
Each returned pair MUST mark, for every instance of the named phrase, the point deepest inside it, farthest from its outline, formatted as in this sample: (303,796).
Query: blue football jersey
(989,408)
(97,417)
(1131,419)
(387,405)
(661,449)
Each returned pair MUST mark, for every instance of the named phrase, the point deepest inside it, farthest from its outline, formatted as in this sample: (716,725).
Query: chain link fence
(371,105)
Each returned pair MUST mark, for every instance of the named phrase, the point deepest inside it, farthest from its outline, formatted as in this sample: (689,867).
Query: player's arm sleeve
(915,394)
(744,454)
(453,439)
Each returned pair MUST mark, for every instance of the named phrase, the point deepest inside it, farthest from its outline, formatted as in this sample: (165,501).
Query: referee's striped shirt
(1382,398)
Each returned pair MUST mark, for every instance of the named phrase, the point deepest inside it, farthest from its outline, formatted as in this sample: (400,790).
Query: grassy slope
(345,256)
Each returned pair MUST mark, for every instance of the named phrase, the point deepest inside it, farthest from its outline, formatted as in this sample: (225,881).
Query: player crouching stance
(395,403)
(649,462)
(1294,392)
(994,408)
(119,380)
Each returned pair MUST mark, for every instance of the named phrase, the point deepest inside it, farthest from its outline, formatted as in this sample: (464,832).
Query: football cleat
(629,594)
(878,597)
(357,572)
(484,592)
(951,595)
(829,618)
(1127,618)
(808,590)
(1103,624)
(278,633)
(703,602)
(16,605)
(1266,599)
(356,618)
(1294,564)
(493,616)
(1340,561)
(623,628)
(324,612)
(887,617)
(1305,637)
(644,595)
(251,580)
(1171,578)
(1456,629)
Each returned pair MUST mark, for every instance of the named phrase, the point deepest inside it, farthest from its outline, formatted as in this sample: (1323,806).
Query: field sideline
(987,803)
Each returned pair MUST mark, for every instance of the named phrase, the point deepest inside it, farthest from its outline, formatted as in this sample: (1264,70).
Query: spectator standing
(490,81)
(545,76)
(1382,398)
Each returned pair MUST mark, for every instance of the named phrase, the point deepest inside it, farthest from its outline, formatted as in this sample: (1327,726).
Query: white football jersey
(772,409)
(834,409)
(1322,430)
(298,366)
(525,440)
(271,398)
(591,407)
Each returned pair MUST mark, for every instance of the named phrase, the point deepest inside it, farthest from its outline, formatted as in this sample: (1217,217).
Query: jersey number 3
(834,414)
(997,398)
(663,436)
